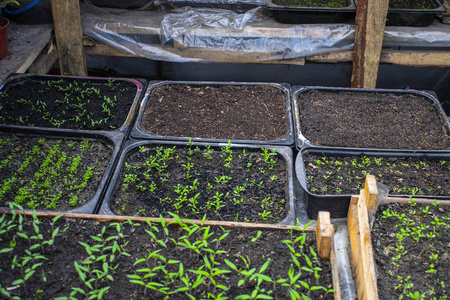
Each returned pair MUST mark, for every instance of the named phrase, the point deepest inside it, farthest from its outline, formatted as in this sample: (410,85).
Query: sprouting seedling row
(48,173)
(194,180)
(345,175)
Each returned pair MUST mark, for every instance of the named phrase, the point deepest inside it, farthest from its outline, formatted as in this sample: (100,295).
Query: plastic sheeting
(200,34)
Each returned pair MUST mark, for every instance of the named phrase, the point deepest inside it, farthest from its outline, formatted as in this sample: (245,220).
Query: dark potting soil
(403,176)
(371,120)
(222,185)
(310,3)
(190,256)
(52,174)
(245,112)
(411,251)
(90,104)
(412,4)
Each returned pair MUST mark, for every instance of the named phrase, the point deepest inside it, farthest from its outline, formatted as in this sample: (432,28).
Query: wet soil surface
(403,176)
(162,260)
(371,120)
(89,104)
(309,3)
(412,4)
(412,251)
(193,182)
(52,174)
(229,112)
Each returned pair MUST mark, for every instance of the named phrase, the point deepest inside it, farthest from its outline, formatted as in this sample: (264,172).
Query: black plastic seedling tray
(312,15)
(132,146)
(338,205)
(233,5)
(114,140)
(414,17)
(140,85)
(302,141)
(137,132)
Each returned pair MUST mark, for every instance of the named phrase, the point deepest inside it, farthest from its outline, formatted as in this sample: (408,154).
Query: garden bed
(212,111)
(152,260)
(69,102)
(54,172)
(329,178)
(223,182)
(382,119)
(411,250)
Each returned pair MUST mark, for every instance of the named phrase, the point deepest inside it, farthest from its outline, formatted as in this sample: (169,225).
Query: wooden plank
(324,232)
(417,200)
(44,62)
(361,252)
(334,57)
(68,32)
(215,56)
(370,23)
(335,270)
(371,193)
(416,58)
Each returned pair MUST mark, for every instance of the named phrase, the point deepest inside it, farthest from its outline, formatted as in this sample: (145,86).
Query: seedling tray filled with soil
(330,177)
(127,258)
(381,119)
(82,103)
(410,243)
(222,181)
(253,113)
(312,12)
(56,171)
(413,12)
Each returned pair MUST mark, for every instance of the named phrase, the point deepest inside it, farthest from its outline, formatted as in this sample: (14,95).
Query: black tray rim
(132,145)
(302,141)
(113,139)
(140,83)
(286,140)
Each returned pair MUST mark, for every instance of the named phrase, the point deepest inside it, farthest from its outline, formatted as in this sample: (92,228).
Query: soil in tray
(403,176)
(310,3)
(411,251)
(412,4)
(371,120)
(52,174)
(67,103)
(229,184)
(120,260)
(245,112)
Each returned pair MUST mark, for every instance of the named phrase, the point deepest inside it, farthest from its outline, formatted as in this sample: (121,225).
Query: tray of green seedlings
(158,259)
(56,171)
(329,177)
(411,242)
(227,182)
(69,102)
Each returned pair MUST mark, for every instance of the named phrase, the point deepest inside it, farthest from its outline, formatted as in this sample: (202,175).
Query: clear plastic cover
(206,34)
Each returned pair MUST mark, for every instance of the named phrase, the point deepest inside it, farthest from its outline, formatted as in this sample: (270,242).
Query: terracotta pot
(4,23)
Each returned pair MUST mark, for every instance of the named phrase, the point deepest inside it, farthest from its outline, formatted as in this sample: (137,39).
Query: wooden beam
(371,193)
(361,248)
(68,32)
(45,61)
(370,23)
(425,58)
(215,56)
(324,232)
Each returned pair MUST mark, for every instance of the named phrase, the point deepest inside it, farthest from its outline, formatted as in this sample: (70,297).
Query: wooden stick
(371,193)
(109,218)
(400,200)
(324,232)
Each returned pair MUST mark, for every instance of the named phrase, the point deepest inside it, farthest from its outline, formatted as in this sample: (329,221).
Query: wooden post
(324,232)
(370,23)
(69,37)
(362,253)
(371,193)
